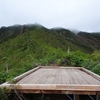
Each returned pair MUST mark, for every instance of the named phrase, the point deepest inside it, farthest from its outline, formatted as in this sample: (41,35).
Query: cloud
(75,14)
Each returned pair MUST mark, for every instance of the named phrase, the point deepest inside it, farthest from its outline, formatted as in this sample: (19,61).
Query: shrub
(3,77)
(96,69)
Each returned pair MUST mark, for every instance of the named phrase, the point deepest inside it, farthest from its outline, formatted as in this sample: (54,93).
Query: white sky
(81,15)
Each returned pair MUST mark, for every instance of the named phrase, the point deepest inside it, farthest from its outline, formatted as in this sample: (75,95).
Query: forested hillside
(22,47)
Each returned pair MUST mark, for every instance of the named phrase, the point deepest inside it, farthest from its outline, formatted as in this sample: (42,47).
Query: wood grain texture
(59,75)
(58,80)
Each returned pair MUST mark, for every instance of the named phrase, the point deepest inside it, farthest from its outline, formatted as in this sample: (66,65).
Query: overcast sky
(81,15)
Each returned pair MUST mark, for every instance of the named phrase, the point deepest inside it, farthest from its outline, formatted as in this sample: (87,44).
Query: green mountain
(84,40)
(90,39)
(23,46)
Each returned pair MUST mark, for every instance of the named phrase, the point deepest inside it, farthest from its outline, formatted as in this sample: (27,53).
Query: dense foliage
(40,46)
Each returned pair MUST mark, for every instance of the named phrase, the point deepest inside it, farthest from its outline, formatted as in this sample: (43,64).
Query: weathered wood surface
(57,79)
(59,76)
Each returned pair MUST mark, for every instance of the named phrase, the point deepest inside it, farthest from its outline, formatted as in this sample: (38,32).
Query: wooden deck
(62,80)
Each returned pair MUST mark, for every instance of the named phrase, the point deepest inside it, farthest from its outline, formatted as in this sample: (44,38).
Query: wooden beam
(60,67)
(58,92)
(52,87)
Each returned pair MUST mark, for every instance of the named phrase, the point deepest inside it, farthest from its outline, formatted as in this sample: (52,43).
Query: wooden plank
(25,74)
(59,67)
(78,68)
(58,92)
(72,87)
(90,80)
(64,76)
(92,74)
(29,77)
(43,77)
(37,77)
(42,91)
(80,92)
(57,79)
(72,78)
(79,77)
(78,87)
(50,77)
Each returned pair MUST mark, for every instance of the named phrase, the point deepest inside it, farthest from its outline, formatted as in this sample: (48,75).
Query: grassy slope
(91,40)
(73,38)
(37,45)
(30,47)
